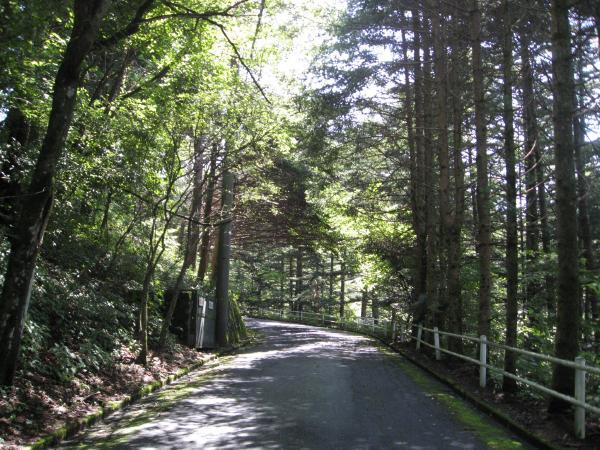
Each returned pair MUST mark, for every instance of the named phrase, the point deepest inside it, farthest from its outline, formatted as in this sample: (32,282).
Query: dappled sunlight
(303,387)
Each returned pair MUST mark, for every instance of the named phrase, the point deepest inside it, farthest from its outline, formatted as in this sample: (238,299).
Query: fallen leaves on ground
(38,405)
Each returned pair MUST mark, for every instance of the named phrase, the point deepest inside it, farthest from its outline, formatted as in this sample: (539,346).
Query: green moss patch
(490,434)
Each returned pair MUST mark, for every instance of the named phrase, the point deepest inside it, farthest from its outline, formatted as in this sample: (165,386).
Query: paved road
(304,387)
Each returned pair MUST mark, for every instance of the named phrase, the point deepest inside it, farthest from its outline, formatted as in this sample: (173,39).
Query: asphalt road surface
(302,388)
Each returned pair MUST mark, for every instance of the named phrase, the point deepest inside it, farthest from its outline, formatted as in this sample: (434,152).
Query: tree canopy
(423,160)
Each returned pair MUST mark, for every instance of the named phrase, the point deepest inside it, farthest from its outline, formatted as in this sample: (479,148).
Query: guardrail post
(419,334)
(580,396)
(482,360)
(436,341)
(323,319)
(300,315)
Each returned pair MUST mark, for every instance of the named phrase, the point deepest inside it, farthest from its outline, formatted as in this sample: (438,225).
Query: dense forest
(432,161)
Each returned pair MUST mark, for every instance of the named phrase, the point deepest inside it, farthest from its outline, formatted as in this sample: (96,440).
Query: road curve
(302,388)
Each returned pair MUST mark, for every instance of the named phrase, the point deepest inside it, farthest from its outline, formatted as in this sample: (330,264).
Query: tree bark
(445,216)
(458,171)
(208,205)
(190,243)
(431,202)
(568,318)
(363,304)
(585,231)
(33,218)
(512,238)
(342,286)
(282,282)
(291,281)
(420,208)
(532,230)
(483,191)
(299,275)
(143,313)
(223,260)
(375,309)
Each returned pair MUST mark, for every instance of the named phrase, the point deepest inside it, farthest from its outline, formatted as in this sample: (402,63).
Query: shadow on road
(303,387)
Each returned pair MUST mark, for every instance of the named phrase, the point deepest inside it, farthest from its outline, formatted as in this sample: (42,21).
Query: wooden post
(482,360)
(580,396)
(419,334)
(436,341)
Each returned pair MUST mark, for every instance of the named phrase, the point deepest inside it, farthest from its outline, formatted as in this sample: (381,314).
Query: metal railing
(579,365)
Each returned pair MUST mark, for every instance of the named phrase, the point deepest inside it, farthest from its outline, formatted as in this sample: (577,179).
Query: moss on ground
(162,402)
(491,435)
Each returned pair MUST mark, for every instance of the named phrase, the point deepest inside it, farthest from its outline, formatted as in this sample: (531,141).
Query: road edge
(501,417)
(70,429)
(515,427)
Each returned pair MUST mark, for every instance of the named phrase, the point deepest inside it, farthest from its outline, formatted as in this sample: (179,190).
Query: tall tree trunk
(458,172)
(33,218)
(118,82)
(410,132)
(531,143)
(331,282)
(445,223)
(105,215)
(431,201)
(375,309)
(420,208)
(473,189)
(223,260)
(568,317)
(484,247)
(549,279)
(143,313)
(512,238)
(585,231)
(299,275)
(282,282)
(208,205)
(190,243)
(342,286)
(291,282)
(363,304)
(15,134)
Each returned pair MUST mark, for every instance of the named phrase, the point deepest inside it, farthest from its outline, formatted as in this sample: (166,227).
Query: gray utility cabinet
(194,319)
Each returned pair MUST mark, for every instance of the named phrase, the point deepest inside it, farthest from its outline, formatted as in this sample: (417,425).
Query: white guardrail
(393,331)
(367,325)
(578,400)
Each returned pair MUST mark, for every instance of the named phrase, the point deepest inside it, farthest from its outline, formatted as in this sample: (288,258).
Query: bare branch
(258,23)
(240,58)
(157,77)
(133,26)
